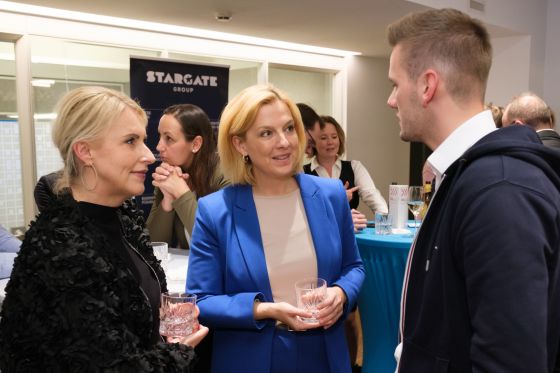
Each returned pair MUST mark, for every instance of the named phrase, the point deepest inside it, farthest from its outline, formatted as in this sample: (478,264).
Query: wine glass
(415,202)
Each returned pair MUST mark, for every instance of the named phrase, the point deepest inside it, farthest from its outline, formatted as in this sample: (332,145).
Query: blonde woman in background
(327,162)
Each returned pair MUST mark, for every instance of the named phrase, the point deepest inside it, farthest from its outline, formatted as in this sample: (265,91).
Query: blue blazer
(227,270)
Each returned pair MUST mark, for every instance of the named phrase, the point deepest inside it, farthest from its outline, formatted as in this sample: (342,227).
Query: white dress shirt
(369,194)
(460,140)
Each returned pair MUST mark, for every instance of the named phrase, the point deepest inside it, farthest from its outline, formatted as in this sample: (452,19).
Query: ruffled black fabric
(72,305)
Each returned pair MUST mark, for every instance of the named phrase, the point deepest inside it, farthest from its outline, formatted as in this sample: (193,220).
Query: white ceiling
(356,25)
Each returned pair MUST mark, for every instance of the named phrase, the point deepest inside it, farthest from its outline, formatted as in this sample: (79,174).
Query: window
(311,87)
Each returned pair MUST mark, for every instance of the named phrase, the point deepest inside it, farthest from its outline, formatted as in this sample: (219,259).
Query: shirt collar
(315,163)
(459,141)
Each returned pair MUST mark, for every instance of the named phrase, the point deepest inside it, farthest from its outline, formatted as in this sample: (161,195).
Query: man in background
(531,110)
(482,286)
(312,123)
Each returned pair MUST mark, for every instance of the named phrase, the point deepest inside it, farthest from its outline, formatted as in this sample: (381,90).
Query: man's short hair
(453,43)
(309,116)
(529,109)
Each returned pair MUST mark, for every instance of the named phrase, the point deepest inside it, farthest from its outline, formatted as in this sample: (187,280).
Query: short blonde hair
(238,117)
(83,114)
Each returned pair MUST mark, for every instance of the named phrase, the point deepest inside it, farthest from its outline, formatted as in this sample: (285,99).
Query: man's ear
(430,85)
(239,145)
(197,144)
(82,151)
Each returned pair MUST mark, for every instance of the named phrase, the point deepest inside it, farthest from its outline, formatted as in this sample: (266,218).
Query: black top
(74,305)
(550,138)
(346,175)
(44,190)
(108,221)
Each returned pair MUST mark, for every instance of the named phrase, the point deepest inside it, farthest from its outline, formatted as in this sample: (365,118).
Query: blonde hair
(83,114)
(327,119)
(239,116)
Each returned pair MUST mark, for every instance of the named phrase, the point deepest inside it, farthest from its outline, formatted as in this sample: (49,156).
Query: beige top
(288,245)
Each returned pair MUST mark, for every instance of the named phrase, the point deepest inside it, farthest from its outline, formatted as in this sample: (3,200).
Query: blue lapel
(320,219)
(247,228)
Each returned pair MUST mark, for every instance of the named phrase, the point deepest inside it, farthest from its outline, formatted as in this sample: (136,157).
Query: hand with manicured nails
(172,182)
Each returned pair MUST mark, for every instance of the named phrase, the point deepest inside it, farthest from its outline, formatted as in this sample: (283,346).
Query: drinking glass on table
(309,293)
(177,315)
(382,223)
(415,202)
(161,252)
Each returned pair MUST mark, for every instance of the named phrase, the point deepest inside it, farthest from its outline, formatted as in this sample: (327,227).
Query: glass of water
(161,252)
(309,293)
(382,223)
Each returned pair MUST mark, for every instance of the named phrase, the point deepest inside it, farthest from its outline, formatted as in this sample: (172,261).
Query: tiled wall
(48,160)
(11,200)
(48,157)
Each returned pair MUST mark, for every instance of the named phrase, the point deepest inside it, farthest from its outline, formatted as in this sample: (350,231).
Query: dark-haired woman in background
(189,170)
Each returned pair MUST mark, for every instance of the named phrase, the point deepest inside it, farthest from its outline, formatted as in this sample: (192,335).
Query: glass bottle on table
(427,198)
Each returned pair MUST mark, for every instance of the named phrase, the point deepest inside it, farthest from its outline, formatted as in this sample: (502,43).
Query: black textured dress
(83,296)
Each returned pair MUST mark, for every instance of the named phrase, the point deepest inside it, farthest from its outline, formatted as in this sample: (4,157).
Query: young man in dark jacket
(482,287)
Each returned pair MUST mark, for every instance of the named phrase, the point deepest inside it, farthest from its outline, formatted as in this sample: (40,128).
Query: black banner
(159,83)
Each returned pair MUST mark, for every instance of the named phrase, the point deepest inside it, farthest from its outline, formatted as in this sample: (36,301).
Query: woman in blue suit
(253,240)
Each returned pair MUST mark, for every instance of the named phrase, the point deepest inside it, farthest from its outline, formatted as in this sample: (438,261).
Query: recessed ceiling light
(45,83)
(223,17)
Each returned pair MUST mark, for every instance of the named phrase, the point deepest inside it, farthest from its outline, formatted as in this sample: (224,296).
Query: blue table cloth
(384,258)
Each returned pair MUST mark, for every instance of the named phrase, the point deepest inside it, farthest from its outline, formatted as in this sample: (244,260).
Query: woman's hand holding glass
(331,308)
(328,311)
(172,182)
(283,312)
(193,339)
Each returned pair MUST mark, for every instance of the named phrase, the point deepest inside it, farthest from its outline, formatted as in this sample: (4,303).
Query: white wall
(512,18)
(510,70)
(552,60)
(372,127)
(526,53)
